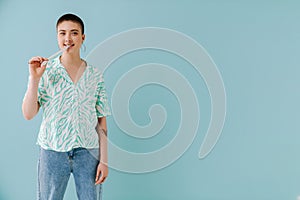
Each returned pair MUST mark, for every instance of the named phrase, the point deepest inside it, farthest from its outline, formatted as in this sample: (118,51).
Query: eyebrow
(73,30)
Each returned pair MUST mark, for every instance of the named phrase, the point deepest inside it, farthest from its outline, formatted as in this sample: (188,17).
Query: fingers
(37,59)
(100,180)
(97,175)
(44,63)
(100,176)
(37,67)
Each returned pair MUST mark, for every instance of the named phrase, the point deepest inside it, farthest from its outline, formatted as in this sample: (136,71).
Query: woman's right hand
(36,69)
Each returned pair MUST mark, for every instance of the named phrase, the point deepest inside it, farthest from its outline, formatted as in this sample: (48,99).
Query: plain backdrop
(255,45)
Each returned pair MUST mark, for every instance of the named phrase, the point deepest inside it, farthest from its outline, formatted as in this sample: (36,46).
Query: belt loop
(71,153)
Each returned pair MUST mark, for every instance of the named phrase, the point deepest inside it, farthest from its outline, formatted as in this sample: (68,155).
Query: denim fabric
(55,168)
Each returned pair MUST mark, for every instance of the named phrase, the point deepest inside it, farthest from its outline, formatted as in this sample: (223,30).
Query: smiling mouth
(69,45)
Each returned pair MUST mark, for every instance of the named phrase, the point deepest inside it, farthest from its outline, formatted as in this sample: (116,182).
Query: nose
(68,38)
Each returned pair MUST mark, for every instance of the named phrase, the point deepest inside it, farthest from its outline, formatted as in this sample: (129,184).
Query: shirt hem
(68,149)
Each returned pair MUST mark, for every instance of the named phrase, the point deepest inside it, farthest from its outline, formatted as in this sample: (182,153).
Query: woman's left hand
(102,172)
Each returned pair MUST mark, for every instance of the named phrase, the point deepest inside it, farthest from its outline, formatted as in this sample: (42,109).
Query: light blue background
(256,47)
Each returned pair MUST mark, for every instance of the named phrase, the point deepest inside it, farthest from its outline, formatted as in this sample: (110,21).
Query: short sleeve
(102,105)
(42,91)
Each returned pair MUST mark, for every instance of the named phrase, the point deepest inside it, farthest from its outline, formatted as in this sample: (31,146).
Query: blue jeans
(55,168)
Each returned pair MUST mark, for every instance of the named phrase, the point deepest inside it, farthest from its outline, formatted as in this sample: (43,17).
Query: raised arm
(30,106)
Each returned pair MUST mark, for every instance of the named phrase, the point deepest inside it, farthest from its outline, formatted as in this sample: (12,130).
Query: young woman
(72,136)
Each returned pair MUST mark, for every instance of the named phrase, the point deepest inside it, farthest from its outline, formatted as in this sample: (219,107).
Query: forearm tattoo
(104,131)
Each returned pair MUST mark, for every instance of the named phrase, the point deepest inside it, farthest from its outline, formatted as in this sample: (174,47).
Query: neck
(70,60)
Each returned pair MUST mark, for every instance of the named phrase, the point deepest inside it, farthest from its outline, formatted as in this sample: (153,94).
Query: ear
(83,37)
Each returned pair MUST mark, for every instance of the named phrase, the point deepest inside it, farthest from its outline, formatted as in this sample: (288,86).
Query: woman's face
(70,34)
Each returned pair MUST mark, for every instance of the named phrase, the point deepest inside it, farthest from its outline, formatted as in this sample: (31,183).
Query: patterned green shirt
(70,111)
